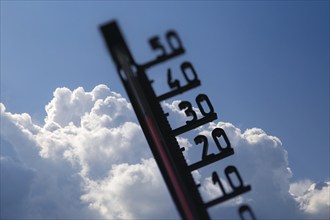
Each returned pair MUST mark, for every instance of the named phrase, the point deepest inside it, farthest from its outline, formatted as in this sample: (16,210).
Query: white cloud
(90,160)
(263,163)
(300,187)
(131,191)
(87,136)
(34,187)
(314,201)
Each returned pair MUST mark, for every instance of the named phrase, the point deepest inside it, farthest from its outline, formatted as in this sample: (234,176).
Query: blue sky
(262,64)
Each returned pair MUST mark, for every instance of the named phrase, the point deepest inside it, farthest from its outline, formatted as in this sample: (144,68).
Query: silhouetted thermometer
(159,134)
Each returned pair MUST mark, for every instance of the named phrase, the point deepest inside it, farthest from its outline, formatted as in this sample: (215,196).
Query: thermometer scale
(159,134)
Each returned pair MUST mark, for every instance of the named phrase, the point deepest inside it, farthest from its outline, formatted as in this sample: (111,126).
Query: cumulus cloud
(131,191)
(72,161)
(263,163)
(90,160)
(313,201)
(300,187)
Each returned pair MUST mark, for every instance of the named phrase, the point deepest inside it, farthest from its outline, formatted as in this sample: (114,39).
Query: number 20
(216,133)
